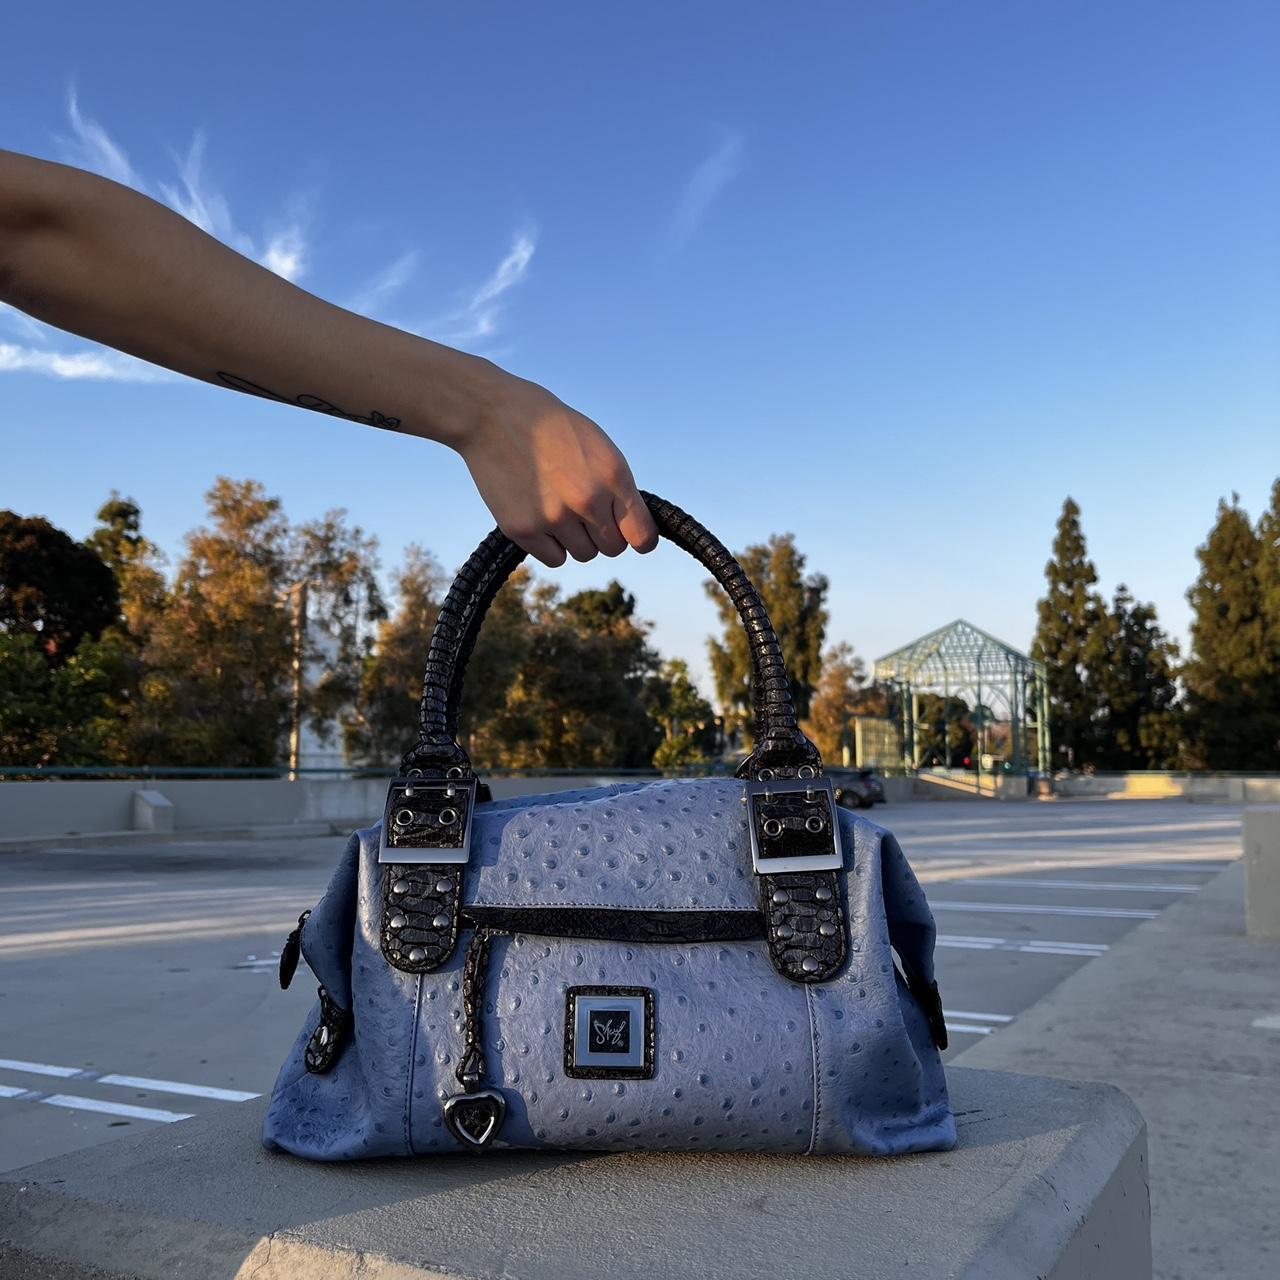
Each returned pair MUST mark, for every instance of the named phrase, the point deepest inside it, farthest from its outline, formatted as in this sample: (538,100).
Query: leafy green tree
(384,719)
(216,690)
(836,701)
(1139,724)
(1069,640)
(690,734)
(577,699)
(1233,709)
(339,566)
(61,714)
(945,730)
(797,607)
(52,587)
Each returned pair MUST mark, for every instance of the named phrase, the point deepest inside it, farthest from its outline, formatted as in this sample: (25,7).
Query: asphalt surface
(137,984)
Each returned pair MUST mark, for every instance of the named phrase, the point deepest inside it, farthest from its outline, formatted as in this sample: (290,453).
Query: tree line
(1122,697)
(107,657)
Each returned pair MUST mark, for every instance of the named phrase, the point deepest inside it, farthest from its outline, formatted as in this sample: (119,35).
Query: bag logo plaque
(609,1033)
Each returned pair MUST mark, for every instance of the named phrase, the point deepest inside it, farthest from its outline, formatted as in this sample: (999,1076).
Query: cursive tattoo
(305,401)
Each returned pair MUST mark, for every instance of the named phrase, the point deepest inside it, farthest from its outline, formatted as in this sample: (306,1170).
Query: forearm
(98,259)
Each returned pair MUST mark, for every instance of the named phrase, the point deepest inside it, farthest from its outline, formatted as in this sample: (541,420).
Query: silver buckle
(428,822)
(776,817)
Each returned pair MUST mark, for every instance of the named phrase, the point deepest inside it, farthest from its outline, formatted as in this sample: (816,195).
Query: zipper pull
(290,952)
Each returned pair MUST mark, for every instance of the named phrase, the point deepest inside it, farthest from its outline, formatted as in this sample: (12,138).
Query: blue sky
(893,277)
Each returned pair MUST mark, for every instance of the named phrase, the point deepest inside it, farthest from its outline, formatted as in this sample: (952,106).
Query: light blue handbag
(706,964)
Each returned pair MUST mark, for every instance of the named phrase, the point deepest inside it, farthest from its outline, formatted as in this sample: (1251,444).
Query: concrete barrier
(152,811)
(1049,1180)
(1262,871)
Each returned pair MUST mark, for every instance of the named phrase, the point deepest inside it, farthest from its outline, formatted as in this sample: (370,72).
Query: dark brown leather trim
(806,933)
(329,1036)
(617,924)
(420,910)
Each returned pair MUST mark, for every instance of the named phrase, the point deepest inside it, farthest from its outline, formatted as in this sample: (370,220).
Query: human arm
(100,260)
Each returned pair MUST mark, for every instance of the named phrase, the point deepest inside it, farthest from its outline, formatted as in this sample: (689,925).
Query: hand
(552,478)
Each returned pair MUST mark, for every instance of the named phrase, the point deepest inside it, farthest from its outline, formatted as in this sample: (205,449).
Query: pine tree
(1232,705)
(1138,724)
(1068,640)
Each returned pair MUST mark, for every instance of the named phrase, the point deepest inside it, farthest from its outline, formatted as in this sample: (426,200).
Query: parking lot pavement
(137,984)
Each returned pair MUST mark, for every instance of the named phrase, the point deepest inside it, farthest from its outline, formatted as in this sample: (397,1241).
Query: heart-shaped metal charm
(473,1118)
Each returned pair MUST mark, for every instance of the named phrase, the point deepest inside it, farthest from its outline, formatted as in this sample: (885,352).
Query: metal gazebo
(961,661)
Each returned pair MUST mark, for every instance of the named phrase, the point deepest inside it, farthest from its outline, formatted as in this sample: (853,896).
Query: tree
(52,587)
(688,722)
(836,702)
(1068,639)
(577,699)
(1139,723)
(797,607)
(384,721)
(338,565)
(1233,709)
(216,690)
(945,729)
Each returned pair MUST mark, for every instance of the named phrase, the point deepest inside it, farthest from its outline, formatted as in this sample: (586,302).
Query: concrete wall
(1228,788)
(59,808)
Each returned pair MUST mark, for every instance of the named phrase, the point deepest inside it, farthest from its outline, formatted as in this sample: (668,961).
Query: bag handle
(781,749)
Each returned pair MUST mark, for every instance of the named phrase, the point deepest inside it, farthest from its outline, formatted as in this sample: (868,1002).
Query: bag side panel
(881,1088)
(360,1107)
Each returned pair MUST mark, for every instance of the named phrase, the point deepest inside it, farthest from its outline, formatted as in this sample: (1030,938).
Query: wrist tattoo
(304,401)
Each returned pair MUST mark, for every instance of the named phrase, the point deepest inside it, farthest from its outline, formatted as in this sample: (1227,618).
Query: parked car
(857,788)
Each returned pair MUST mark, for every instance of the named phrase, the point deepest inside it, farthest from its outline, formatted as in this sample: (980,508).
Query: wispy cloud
(96,364)
(479,318)
(706,182)
(385,285)
(92,148)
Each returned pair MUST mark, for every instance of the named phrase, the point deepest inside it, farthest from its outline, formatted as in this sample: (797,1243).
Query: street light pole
(299,594)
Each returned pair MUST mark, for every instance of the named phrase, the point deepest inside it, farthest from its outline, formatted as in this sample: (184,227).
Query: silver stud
(400,886)
(772,827)
(785,931)
(781,897)
(441,922)
(814,824)
(417,955)
(806,771)
(809,964)
(448,817)
(822,893)
(404,817)
(443,886)
(827,929)
(398,921)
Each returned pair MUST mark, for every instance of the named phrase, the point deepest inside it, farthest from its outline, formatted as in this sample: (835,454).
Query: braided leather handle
(781,748)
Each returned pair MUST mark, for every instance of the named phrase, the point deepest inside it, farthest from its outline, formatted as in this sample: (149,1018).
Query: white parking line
(73,1102)
(126,1082)
(1083,884)
(1046,946)
(979,1017)
(1021,908)
(968,1029)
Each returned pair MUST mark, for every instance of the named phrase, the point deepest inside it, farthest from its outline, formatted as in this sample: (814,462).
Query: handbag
(695,964)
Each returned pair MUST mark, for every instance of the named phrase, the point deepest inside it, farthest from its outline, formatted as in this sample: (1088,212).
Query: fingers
(542,546)
(572,534)
(635,520)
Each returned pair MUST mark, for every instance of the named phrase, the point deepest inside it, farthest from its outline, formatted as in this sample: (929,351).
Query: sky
(893,278)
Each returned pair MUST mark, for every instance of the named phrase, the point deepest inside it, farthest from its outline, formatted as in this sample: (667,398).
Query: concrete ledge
(152,811)
(1049,1180)
(1262,871)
